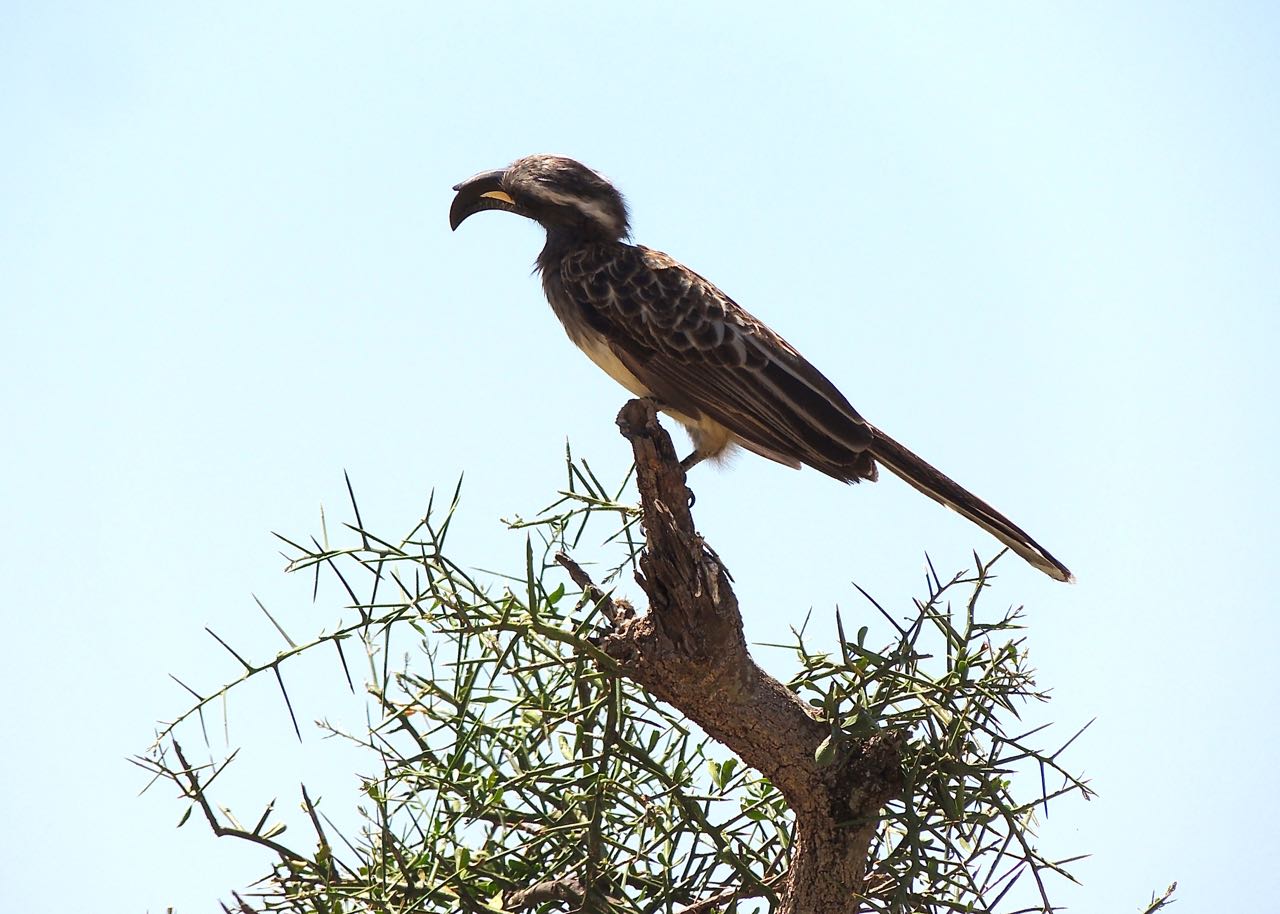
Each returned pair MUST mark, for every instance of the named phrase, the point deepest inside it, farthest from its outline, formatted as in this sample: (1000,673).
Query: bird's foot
(688,464)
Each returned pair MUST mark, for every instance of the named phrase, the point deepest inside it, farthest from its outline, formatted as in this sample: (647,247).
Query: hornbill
(665,333)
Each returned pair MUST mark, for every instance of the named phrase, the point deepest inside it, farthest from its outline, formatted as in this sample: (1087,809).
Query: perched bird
(664,332)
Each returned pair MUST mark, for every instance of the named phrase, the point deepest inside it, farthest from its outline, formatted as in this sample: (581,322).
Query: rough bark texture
(689,650)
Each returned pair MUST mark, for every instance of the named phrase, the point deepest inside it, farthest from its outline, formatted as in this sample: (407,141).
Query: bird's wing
(702,354)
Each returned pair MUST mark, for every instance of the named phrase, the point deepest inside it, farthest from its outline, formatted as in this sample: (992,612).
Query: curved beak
(478,193)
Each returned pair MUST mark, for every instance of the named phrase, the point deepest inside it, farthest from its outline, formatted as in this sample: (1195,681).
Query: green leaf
(727,769)
(826,752)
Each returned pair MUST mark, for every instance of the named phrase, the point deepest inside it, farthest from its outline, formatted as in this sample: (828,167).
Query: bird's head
(563,196)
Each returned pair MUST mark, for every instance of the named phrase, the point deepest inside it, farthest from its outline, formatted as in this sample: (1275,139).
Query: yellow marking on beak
(499,195)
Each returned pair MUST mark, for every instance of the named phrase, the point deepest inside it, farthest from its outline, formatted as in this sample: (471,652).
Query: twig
(728,895)
(589,589)
(194,791)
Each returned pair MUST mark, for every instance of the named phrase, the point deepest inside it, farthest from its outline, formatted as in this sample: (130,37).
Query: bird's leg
(692,460)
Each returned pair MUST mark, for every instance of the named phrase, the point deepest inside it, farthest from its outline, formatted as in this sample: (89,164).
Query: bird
(667,334)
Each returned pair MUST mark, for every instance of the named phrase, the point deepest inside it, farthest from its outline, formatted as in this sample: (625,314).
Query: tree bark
(689,650)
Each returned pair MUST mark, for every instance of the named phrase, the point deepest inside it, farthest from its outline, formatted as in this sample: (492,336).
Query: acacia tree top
(537,752)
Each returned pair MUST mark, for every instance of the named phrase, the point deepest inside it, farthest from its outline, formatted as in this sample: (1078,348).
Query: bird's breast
(598,350)
(588,338)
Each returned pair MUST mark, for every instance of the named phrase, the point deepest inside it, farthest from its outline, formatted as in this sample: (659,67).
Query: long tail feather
(941,488)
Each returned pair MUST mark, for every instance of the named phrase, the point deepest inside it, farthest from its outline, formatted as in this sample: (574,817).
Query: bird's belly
(709,436)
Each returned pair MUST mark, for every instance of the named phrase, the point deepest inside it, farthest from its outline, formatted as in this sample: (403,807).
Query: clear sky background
(1039,243)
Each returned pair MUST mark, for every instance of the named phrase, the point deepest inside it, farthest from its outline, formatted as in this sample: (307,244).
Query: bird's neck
(561,242)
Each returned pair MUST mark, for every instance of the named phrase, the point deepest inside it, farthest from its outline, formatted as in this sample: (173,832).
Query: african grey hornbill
(664,332)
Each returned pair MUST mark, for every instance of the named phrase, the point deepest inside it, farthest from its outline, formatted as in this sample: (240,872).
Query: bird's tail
(914,470)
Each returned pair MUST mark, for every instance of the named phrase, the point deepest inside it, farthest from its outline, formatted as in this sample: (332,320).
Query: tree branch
(569,889)
(689,650)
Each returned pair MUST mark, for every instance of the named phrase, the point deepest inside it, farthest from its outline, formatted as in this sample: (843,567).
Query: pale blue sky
(1038,243)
